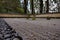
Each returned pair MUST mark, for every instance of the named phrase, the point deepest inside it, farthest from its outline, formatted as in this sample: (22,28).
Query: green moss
(33,18)
(28,16)
(48,18)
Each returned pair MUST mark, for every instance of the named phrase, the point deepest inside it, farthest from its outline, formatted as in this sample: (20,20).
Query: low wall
(24,16)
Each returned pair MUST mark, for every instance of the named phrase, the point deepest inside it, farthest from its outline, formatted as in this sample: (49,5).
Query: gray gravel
(39,29)
(6,31)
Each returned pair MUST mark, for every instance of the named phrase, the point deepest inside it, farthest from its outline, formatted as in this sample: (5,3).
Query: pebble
(15,39)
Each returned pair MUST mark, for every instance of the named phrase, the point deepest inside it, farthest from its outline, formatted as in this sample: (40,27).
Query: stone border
(25,16)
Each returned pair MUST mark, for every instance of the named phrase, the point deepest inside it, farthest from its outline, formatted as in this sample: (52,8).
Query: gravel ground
(39,29)
(7,32)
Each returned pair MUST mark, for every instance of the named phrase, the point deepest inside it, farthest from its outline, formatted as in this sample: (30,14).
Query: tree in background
(47,2)
(36,6)
(25,6)
(32,7)
(41,6)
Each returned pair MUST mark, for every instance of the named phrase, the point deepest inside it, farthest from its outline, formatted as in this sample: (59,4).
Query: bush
(20,10)
(2,10)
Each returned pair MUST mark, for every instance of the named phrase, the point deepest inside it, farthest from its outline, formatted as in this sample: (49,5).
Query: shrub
(20,10)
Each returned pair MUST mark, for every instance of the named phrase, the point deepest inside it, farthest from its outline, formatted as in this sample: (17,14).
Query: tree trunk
(32,7)
(41,6)
(47,2)
(25,6)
